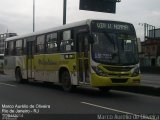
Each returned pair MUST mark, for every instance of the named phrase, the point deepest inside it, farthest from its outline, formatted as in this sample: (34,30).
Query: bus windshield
(115,48)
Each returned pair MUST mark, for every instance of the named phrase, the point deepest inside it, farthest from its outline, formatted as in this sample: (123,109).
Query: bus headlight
(136,72)
(98,71)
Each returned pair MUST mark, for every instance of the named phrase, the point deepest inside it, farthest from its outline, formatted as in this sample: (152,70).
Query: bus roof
(75,24)
(80,23)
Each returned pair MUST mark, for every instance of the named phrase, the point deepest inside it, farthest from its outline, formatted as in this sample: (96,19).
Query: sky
(17,15)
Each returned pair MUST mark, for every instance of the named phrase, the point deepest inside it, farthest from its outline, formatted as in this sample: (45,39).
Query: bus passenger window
(10,48)
(40,44)
(51,43)
(18,48)
(67,43)
(6,48)
(24,47)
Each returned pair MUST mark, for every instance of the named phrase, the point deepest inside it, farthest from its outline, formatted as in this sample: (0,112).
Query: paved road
(82,101)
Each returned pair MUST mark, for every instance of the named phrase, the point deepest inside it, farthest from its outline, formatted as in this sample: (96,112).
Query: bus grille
(115,80)
(118,69)
(116,74)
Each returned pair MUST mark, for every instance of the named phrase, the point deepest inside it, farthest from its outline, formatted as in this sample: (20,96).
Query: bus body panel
(115,77)
(99,81)
(13,62)
(10,65)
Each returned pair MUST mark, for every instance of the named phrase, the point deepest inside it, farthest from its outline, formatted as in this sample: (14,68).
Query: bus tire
(104,89)
(66,82)
(18,75)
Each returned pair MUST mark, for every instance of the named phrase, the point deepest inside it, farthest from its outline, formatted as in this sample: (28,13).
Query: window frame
(37,45)
(19,49)
(53,49)
(63,46)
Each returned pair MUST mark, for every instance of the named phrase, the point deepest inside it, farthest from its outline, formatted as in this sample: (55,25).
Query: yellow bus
(95,53)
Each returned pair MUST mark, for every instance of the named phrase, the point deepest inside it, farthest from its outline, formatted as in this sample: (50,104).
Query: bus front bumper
(100,81)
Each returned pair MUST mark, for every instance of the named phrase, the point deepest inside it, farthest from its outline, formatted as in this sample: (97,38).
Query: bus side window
(67,41)
(40,44)
(6,48)
(51,43)
(18,47)
(11,48)
(24,47)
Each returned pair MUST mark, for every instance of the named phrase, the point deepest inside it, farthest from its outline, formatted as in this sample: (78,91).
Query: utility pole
(64,11)
(33,15)
(144,31)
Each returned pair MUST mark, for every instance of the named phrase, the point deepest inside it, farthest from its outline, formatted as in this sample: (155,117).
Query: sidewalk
(150,80)
(150,85)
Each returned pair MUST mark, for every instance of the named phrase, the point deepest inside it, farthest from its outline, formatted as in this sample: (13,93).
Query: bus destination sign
(111,26)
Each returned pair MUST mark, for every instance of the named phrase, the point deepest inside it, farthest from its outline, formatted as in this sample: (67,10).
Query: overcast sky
(16,15)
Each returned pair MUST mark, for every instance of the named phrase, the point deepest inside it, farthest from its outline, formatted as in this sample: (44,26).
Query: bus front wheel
(66,82)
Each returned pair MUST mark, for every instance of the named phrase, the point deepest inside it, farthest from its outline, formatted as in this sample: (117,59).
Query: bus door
(83,58)
(30,59)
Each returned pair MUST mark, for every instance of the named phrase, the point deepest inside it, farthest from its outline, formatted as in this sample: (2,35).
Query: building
(150,56)
(2,39)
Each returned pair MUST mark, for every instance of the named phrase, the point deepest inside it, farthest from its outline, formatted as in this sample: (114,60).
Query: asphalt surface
(87,103)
